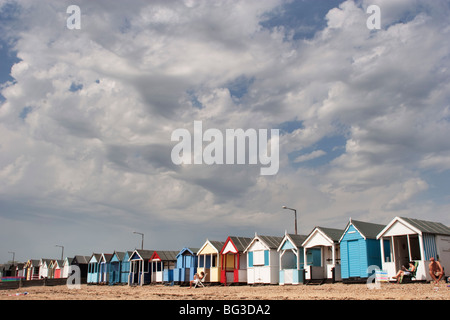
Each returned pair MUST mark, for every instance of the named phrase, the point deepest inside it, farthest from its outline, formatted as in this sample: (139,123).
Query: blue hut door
(353,258)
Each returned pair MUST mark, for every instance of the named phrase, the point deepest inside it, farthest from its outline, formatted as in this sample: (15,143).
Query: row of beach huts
(325,255)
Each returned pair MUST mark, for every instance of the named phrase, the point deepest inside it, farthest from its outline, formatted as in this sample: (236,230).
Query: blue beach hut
(104,267)
(94,268)
(186,265)
(115,267)
(359,249)
(125,270)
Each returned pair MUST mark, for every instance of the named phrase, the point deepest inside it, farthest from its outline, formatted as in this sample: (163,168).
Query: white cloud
(310,156)
(100,155)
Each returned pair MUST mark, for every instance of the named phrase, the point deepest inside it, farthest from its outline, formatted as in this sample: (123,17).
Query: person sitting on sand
(436,270)
(405,272)
(197,278)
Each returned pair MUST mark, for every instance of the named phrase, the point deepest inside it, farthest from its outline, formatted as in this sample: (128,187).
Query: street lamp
(62,252)
(14,254)
(295,214)
(142,235)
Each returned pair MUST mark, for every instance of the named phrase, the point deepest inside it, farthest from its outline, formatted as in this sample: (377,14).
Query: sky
(86,118)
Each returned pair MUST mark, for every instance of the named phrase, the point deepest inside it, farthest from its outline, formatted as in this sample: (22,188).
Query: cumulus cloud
(85,126)
(310,156)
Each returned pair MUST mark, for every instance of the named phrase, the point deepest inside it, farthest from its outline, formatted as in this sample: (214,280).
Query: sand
(336,291)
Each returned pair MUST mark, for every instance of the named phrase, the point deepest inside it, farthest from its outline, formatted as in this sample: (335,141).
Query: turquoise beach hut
(104,267)
(186,265)
(94,268)
(359,250)
(115,266)
(125,270)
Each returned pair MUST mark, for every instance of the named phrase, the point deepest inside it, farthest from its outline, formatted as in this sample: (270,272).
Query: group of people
(435,269)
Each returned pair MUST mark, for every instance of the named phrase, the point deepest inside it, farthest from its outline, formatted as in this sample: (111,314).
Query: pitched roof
(166,255)
(333,234)
(367,229)
(119,255)
(217,244)
(190,250)
(107,256)
(271,241)
(46,261)
(296,239)
(80,260)
(428,226)
(97,257)
(144,254)
(241,243)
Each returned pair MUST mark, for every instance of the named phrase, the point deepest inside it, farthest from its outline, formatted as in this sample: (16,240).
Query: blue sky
(86,118)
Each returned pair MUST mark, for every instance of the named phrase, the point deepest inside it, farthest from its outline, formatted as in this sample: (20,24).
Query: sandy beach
(336,291)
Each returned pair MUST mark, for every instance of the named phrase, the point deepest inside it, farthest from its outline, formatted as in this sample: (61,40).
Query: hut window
(201,261)
(387,250)
(258,258)
(213,261)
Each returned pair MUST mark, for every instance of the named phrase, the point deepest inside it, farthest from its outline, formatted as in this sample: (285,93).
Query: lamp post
(14,255)
(142,235)
(62,251)
(295,214)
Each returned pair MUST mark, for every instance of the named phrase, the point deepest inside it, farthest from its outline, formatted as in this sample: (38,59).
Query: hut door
(258,275)
(353,258)
(401,251)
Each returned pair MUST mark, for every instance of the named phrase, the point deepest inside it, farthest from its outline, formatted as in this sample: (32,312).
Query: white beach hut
(407,239)
(263,260)
(327,240)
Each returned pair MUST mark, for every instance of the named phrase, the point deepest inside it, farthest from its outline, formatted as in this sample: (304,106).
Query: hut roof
(296,239)
(97,257)
(119,255)
(368,230)
(272,242)
(165,255)
(143,254)
(333,234)
(428,226)
(190,250)
(46,261)
(80,260)
(217,244)
(241,243)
